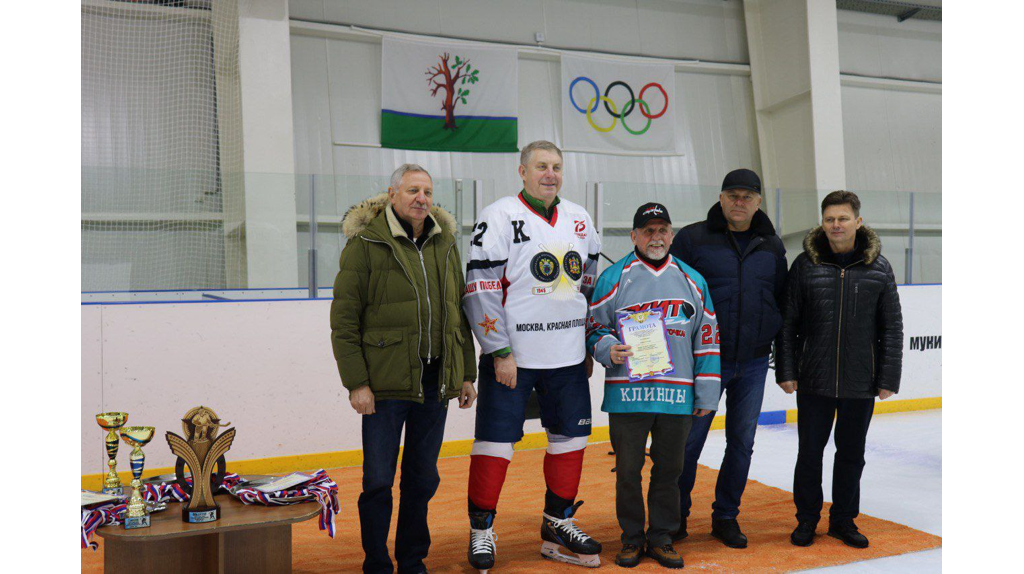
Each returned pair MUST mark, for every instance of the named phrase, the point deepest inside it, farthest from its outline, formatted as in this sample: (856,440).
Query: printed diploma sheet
(645,333)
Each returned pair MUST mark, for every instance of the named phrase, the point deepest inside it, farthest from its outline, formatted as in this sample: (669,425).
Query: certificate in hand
(645,333)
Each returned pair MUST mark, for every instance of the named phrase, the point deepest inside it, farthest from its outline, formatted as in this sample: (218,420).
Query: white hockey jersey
(528,281)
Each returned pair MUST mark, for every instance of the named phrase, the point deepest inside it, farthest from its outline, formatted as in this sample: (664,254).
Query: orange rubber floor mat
(767,519)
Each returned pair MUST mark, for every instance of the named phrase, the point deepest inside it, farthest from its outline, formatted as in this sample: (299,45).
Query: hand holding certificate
(645,333)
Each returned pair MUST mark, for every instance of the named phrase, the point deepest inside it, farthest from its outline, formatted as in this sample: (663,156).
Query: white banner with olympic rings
(610,106)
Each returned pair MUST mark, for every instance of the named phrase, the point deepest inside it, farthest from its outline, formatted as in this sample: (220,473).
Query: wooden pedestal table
(248,539)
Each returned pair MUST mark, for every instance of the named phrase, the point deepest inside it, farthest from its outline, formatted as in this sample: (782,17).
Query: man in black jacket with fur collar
(841,346)
(743,260)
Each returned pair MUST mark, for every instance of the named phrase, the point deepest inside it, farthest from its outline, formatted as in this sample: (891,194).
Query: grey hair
(524,156)
(396,177)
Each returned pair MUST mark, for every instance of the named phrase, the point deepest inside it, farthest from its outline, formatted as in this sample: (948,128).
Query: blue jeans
(382,433)
(743,385)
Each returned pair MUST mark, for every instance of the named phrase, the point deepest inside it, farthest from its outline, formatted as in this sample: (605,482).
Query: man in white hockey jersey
(532,267)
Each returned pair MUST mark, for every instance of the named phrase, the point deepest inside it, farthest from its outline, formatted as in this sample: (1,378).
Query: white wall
(336,91)
(694,29)
(893,142)
(266,106)
(267,368)
(336,87)
(336,94)
(891,133)
(881,46)
(795,69)
(893,139)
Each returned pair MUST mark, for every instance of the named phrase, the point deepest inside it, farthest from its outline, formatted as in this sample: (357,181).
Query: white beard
(656,253)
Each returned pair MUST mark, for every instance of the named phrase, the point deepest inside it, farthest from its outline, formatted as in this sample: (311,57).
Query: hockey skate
(482,547)
(565,542)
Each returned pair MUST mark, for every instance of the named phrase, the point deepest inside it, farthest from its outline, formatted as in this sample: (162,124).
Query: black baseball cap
(742,179)
(649,211)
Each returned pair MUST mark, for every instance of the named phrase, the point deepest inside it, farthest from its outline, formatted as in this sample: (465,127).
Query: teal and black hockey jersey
(632,285)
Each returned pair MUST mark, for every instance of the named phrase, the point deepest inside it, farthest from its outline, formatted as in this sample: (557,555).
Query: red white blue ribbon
(321,487)
(93,518)
(113,512)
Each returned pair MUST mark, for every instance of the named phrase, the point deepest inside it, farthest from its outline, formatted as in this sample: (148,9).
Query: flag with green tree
(441,76)
(469,102)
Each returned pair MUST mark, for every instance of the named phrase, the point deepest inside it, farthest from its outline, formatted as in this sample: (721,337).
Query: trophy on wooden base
(111,422)
(201,450)
(136,515)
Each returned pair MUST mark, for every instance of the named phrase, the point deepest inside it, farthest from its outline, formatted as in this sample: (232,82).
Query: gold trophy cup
(136,515)
(111,422)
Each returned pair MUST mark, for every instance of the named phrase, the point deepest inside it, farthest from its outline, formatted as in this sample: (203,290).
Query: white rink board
(266,367)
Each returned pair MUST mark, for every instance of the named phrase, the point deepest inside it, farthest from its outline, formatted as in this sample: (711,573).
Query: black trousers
(815,414)
(629,433)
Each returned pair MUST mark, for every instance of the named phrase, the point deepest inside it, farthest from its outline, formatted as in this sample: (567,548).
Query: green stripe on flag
(472,134)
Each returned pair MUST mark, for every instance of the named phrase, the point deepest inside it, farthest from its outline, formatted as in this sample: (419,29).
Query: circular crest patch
(544,267)
(573,265)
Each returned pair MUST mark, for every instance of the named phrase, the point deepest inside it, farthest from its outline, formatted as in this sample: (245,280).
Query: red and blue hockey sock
(487,467)
(563,465)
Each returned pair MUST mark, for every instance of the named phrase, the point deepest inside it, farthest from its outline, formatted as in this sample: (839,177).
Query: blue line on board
(430,117)
(205,290)
(321,287)
(215,299)
(194,301)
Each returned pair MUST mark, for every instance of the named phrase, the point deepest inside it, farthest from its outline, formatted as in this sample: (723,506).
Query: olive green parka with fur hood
(381,313)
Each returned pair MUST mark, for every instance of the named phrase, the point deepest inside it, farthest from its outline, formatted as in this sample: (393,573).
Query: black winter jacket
(746,288)
(842,331)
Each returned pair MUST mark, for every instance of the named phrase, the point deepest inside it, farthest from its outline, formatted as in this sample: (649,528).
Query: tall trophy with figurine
(203,452)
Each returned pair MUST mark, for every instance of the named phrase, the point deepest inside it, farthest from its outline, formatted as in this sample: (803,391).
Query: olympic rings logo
(634,103)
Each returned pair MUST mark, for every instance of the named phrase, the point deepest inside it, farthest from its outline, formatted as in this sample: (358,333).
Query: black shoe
(804,533)
(848,533)
(629,556)
(728,531)
(666,556)
(681,533)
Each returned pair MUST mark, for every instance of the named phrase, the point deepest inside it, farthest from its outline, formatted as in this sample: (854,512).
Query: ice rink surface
(902,479)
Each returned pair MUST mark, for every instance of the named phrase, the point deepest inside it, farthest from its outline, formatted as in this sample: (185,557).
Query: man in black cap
(660,402)
(737,251)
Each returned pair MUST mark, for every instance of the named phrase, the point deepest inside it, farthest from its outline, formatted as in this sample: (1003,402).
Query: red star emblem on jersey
(488,324)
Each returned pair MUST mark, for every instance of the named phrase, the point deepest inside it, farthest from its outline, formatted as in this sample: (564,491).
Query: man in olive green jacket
(403,348)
